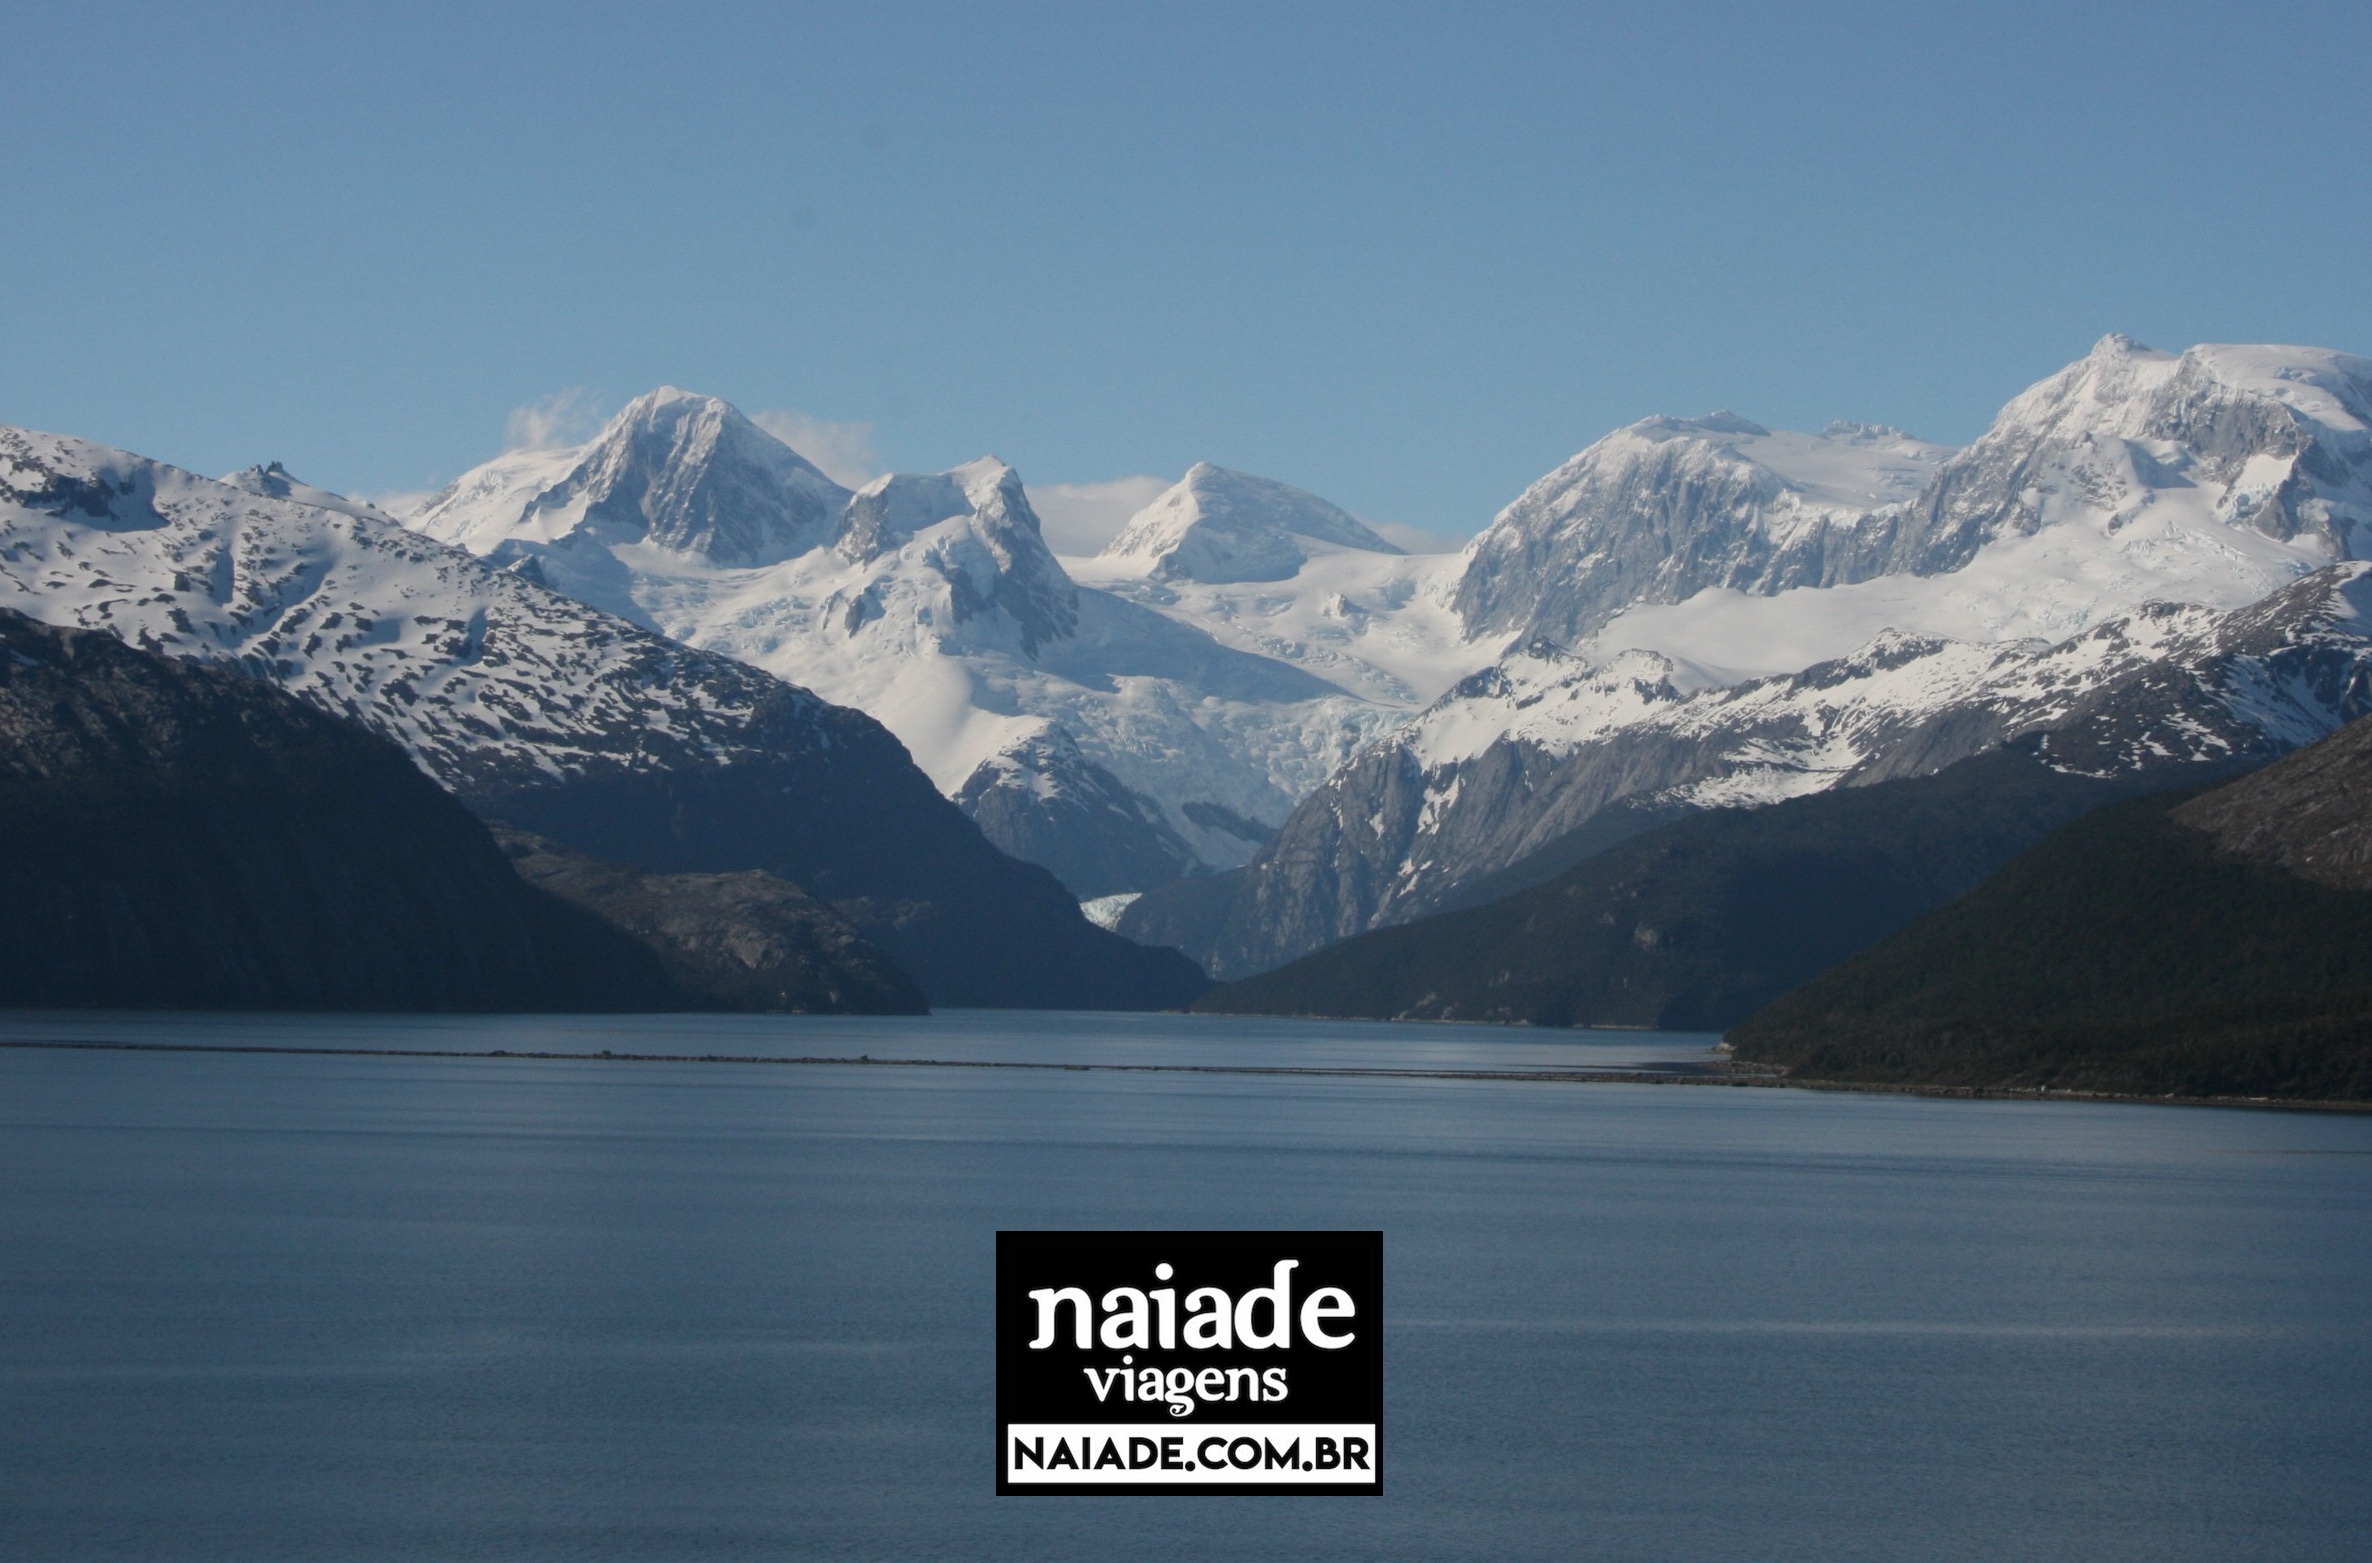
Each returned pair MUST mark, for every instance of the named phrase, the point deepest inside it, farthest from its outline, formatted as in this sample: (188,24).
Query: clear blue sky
(1407,257)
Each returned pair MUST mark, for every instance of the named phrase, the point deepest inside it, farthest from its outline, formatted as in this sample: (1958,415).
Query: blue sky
(1407,257)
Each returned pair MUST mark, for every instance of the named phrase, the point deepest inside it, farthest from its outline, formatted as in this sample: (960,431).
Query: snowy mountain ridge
(1668,507)
(2211,475)
(535,708)
(1735,632)
(1538,746)
(932,602)
(487,679)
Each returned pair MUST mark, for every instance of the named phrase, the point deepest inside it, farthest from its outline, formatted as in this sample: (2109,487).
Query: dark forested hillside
(2217,944)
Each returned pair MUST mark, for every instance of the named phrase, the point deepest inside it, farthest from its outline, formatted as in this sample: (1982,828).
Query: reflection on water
(327,1307)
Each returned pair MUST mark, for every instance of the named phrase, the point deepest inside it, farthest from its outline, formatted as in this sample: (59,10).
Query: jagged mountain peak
(2230,438)
(895,506)
(1216,525)
(1042,799)
(956,546)
(685,472)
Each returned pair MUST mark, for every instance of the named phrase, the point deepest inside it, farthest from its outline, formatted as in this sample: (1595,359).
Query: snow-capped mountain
(2024,588)
(1535,748)
(2208,476)
(1268,569)
(678,472)
(1056,714)
(1075,818)
(1217,526)
(1668,507)
(272,481)
(536,708)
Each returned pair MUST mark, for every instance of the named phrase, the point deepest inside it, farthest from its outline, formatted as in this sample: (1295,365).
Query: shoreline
(1736,1077)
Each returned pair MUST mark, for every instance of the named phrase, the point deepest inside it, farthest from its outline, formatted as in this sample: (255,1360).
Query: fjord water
(262,1306)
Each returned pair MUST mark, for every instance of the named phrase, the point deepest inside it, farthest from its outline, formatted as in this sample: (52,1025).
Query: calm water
(257,1307)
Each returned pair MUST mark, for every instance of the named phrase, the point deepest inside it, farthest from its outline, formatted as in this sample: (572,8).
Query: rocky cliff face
(174,835)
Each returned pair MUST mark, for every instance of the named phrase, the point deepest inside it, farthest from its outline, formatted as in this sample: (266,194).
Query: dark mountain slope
(173,835)
(1044,801)
(1696,923)
(745,941)
(536,709)
(857,825)
(2210,945)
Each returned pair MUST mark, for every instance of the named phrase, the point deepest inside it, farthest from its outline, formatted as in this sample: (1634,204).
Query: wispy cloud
(568,417)
(1080,518)
(843,450)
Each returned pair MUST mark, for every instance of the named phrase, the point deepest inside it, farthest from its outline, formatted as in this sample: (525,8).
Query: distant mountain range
(537,709)
(1251,726)
(2147,560)
(1696,923)
(1087,728)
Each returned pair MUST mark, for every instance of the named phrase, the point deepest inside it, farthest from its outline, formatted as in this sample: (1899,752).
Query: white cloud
(568,417)
(843,450)
(1080,518)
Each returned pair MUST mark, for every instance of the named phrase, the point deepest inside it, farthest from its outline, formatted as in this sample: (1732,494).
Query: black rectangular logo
(1190,1362)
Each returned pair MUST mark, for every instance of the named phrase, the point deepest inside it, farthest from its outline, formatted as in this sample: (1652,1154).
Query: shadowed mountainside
(173,835)
(2217,944)
(1696,923)
(740,941)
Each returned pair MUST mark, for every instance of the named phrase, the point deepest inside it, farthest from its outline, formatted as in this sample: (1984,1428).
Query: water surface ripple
(261,1306)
